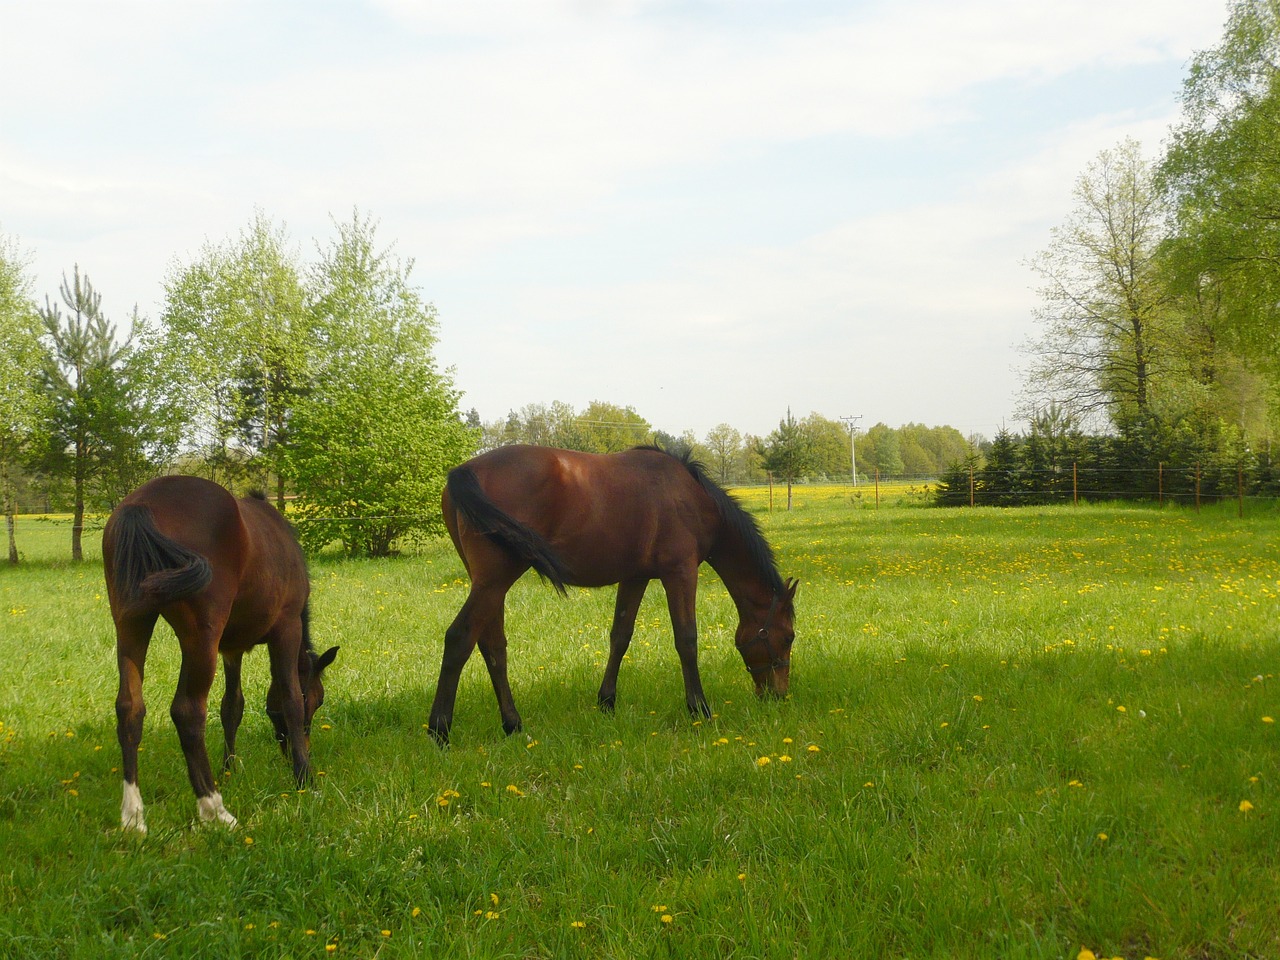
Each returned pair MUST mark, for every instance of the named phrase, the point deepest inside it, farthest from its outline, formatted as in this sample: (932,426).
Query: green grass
(1011,734)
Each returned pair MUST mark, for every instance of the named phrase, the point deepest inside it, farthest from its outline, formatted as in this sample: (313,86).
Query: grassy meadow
(1015,734)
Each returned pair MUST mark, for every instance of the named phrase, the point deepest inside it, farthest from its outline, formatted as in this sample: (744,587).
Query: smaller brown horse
(591,520)
(227,575)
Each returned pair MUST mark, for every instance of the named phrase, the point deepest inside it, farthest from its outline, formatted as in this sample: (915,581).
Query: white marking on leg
(210,808)
(131,809)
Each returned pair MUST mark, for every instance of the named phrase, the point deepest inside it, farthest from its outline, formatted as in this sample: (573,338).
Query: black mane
(741,523)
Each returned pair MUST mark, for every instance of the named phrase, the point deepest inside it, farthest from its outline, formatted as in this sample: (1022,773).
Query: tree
(372,438)
(785,452)
(881,451)
(91,419)
(239,347)
(609,428)
(1103,312)
(1223,178)
(21,401)
(724,452)
(828,443)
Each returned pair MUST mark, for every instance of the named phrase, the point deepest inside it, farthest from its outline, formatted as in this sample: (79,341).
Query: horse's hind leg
(232,710)
(133,635)
(625,608)
(198,633)
(493,647)
(472,622)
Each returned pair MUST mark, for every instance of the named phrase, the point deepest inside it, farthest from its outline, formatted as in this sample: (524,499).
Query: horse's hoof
(510,728)
(606,704)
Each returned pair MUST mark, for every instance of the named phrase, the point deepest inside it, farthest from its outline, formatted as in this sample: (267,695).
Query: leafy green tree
(609,428)
(725,450)
(93,425)
(21,400)
(240,349)
(881,450)
(828,444)
(371,440)
(1104,312)
(785,453)
(1222,175)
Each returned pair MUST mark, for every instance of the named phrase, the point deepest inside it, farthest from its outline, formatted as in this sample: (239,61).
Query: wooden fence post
(1197,487)
(1240,490)
(1075,485)
(971,484)
(1160,484)
(877,488)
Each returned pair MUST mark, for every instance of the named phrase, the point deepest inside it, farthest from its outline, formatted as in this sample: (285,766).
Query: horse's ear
(791,588)
(326,658)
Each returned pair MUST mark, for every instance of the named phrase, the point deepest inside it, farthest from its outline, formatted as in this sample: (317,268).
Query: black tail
(150,568)
(513,536)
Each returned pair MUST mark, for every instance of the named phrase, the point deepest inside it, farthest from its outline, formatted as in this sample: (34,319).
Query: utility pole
(853,453)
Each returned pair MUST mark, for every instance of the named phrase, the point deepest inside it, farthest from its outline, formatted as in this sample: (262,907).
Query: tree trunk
(77,529)
(13,543)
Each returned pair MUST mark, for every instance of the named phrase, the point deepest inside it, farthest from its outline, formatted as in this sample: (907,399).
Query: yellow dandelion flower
(667,918)
(385,933)
(493,898)
(869,783)
(977,698)
(1086,954)
(491,914)
(1245,806)
(784,759)
(786,739)
(577,924)
(1103,837)
(763,762)
(814,748)
(514,790)
(417,911)
(1268,719)
(1121,709)
(330,947)
(660,908)
(248,841)
(742,876)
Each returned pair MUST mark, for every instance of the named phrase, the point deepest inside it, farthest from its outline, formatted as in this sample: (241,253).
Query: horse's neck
(748,589)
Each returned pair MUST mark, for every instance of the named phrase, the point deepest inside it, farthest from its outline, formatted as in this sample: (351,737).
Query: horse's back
(611,517)
(198,513)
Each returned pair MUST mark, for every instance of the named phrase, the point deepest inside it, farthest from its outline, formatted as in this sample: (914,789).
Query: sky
(712,211)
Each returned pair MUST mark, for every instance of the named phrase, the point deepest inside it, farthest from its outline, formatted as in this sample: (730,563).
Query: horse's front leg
(232,711)
(132,639)
(625,609)
(198,633)
(284,699)
(681,595)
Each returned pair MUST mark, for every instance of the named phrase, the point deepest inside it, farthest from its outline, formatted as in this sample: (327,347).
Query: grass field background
(1011,734)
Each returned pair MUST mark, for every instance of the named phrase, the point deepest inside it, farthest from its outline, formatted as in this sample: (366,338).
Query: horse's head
(765,643)
(311,676)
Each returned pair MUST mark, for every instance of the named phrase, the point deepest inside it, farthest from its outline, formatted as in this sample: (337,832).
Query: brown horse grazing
(227,575)
(589,520)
